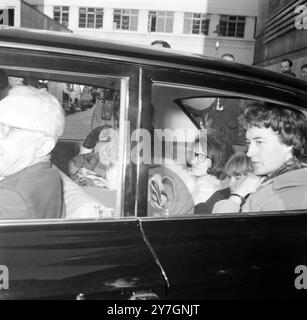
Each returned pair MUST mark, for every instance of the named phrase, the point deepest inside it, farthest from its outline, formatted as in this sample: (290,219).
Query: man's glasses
(201,156)
(7,129)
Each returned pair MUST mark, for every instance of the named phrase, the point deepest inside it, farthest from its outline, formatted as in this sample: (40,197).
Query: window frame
(86,79)
(227,22)
(62,11)
(132,16)
(203,27)
(162,17)
(93,14)
(197,80)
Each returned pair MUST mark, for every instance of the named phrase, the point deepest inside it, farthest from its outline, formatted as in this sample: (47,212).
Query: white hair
(41,107)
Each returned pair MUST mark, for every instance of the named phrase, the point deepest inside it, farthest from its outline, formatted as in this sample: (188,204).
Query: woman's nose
(251,150)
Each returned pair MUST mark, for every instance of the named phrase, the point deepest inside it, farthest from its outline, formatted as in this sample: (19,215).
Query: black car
(131,254)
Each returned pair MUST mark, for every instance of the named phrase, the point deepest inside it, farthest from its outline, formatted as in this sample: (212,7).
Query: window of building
(125,19)
(160,21)
(90,18)
(7,17)
(196,23)
(61,15)
(232,26)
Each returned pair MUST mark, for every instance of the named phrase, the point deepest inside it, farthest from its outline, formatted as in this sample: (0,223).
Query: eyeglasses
(7,129)
(201,156)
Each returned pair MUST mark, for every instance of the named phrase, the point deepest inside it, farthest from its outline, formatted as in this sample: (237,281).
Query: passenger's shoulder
(295,178)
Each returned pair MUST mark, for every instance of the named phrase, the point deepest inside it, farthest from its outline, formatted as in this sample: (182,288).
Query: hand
(156,194)
(249,185)
(158,204)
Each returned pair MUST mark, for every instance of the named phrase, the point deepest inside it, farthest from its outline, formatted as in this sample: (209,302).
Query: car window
(185,178)
(88,152)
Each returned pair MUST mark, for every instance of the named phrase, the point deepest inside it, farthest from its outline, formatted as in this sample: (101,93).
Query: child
(237,168)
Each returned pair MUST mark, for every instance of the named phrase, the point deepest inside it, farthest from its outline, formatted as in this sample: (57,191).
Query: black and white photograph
(153,150)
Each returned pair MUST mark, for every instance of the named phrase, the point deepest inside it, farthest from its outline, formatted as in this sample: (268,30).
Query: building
(18,13)
(210,27)
(281,33)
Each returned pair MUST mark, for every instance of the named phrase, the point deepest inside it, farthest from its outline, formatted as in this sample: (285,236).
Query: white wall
(240,7)
(242,49)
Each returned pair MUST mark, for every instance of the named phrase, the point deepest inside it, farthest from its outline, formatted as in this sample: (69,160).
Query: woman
(202,177)
(275,136)
(207,161)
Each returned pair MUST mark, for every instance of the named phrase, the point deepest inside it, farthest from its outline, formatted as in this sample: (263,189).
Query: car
(132,254)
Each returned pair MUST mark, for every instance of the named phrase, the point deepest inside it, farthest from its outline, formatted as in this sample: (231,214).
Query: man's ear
(46,146)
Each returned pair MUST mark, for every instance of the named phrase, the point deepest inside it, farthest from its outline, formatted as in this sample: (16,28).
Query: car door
(87,256)
(240,257)
(78,260)
(221,256)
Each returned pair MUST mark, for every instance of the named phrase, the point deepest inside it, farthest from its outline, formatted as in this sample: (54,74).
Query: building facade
(210,27)
(19,13)
(281,33)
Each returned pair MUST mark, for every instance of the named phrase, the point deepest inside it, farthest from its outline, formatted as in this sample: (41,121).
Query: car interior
(179,112)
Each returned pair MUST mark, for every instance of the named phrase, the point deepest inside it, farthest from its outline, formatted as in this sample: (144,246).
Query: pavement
(78,125)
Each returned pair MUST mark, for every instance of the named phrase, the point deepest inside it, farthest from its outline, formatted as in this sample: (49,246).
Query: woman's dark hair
(218,149)
(289,124)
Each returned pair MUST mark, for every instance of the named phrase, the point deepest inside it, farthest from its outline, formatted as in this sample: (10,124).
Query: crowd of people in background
(286,68)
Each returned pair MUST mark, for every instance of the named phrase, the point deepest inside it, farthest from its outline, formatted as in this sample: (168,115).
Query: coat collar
(291,179)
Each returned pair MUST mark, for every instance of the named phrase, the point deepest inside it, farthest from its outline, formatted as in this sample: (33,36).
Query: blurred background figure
(161,43)
(304,72)
(57,89)
(285,67)
(4,84)
(228,56)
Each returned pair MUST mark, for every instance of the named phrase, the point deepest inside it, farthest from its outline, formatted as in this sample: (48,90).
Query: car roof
(56,41)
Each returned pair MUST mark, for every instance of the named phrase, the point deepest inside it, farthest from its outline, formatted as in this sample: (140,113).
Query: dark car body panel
(192,257)
(99,260)
(237,258)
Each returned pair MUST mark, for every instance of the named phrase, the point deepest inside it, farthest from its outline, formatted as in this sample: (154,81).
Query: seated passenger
(205,175)
(275,137)
(31,121)
(96,167)
(79,204)
(207,161)
(237,168)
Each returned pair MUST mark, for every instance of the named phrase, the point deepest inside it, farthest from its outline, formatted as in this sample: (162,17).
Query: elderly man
(275,136)
(31,121)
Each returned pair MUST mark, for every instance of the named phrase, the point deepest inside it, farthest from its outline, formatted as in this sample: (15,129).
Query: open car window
(89,153)
(179,185)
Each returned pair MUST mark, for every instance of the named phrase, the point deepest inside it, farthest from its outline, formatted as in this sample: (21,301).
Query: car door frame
(38,253)
(234,256)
